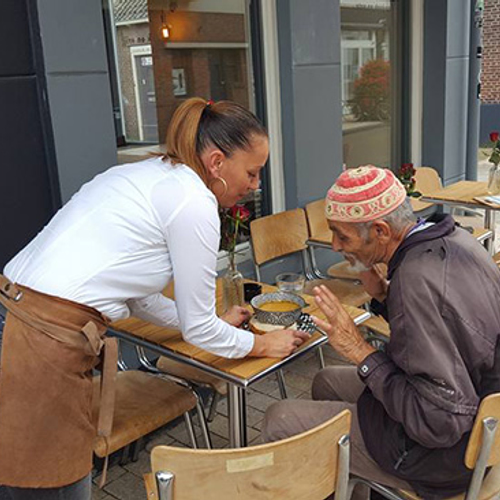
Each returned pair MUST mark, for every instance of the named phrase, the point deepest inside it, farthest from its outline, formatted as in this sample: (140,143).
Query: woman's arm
(156,309)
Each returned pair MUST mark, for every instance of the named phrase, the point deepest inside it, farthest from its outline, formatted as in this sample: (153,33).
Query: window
(167,51)
(368,83)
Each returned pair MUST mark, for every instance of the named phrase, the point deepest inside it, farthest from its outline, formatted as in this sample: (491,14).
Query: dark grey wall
(29,184)
(490,121)
(309,45)
(446,86)
(78,89)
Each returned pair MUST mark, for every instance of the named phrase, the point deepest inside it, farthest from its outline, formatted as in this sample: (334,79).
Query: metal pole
(473,111)
(237,416)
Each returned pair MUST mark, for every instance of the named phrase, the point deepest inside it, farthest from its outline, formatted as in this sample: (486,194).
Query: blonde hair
(197,124)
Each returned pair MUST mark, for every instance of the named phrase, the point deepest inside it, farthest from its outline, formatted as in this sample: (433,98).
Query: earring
(224,183)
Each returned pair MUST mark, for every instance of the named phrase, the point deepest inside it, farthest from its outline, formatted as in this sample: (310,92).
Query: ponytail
(197,125)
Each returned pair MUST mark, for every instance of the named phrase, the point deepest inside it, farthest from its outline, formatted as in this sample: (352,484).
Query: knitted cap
(364,194)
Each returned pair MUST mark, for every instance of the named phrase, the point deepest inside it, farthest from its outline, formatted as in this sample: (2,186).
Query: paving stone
(266,385)
(127,487)
(260,401)
(97,494)
(254,417)
(159,437)
(219,442)
(113,473)
(142,466)
(180,433)
(292,392)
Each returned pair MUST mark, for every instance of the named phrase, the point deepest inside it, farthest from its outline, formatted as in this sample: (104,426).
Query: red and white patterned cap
(364,194)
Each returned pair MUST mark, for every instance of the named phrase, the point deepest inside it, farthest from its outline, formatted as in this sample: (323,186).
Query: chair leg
(190,428)
(282,384)
(383,490)
(321,357)
(125,454)
(136,448)
(203,424)
(213,406)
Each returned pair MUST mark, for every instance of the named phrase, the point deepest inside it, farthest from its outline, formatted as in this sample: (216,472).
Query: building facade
(336,82)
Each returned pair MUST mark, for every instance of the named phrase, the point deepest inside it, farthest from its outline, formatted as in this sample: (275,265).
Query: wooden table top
(244,369)
(460,192)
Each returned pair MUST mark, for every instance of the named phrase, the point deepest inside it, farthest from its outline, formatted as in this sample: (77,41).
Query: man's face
(360,251)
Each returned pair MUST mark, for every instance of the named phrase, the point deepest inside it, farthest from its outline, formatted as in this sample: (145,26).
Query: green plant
(370,101)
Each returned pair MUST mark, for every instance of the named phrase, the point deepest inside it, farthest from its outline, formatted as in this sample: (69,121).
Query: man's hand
(278,343)
(236,316)
(342,333)
(375,282)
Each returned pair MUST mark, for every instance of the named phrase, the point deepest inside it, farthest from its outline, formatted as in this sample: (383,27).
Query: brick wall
(490,76)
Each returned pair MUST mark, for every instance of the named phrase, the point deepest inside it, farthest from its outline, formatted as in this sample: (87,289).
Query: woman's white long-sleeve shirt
(122,238)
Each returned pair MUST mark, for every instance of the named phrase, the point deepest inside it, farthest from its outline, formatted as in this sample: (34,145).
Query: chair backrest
(488,409)
(316,219)
(427,180)
(278,235)
(310,465)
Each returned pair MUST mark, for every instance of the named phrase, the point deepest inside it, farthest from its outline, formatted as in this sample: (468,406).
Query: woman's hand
(236,315)
(375,282)
(342,333)
(278,343)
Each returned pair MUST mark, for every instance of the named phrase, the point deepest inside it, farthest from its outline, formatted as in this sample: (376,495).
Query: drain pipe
(473,111)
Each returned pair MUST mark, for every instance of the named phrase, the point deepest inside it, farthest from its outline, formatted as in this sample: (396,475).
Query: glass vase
(232,287)
(494,180)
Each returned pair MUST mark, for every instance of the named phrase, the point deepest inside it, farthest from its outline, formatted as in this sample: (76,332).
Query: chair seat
(186,372)
(489,489)
(347,292)
(343,270)
(496,258)
(378,325)
(143,404)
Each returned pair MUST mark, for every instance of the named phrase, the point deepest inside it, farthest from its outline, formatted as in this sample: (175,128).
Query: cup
(290,282)
(251,290)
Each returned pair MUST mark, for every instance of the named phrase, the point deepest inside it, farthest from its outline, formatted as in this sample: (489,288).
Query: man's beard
(356,265)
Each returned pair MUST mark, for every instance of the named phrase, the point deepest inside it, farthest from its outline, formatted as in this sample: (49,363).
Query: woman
(107,254)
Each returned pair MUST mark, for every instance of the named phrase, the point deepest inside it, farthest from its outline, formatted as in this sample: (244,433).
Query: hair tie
(209,103)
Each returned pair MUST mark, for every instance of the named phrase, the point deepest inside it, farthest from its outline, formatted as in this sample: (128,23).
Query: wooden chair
(198,377)
(496,258)
(483,450)
(427,180)
(144,403)
(310,465)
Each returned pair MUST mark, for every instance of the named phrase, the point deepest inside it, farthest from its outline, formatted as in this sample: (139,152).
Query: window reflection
(168,51)
(366,40)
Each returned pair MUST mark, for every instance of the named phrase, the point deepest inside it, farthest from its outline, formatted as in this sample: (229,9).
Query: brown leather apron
(50,346)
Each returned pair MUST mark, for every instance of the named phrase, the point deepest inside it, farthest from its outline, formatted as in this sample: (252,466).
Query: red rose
(240,212)
(494,136)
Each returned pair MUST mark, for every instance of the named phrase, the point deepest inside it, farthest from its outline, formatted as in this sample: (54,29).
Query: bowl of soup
(278,308)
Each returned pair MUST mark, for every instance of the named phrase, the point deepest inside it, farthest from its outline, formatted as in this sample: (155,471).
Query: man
(413,405)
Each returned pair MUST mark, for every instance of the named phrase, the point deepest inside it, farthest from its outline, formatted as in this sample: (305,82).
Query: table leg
(236,398)
(489,223)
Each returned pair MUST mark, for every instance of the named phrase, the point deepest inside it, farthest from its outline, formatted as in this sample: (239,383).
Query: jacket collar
(443,225)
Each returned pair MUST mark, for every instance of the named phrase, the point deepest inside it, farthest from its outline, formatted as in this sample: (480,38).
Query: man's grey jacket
(422,394)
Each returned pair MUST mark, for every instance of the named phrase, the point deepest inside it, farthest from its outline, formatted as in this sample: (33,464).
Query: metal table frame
(236,385)
(489,215)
